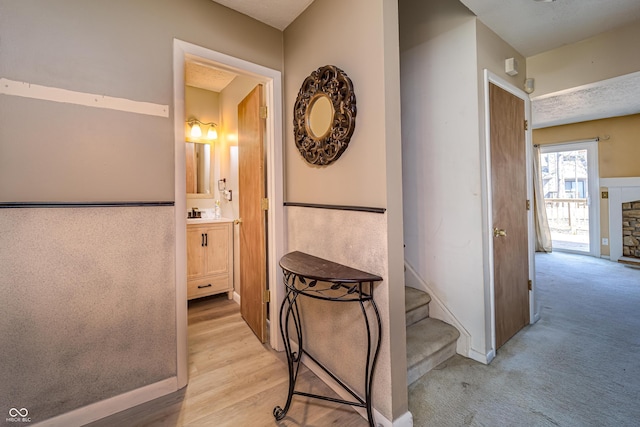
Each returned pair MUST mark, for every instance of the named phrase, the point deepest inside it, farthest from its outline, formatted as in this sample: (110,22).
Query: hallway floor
(577,366)
(234,380)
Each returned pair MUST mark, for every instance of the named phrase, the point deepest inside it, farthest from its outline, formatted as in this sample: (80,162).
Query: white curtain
(543,235)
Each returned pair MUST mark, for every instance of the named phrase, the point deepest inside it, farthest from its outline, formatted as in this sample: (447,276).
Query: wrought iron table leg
(292,358)
(371,363)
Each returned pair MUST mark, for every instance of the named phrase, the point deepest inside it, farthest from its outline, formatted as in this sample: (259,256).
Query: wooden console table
(309,276)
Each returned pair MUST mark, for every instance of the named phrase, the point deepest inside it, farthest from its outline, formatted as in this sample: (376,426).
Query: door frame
(275,172)
(487,229)
(593,188)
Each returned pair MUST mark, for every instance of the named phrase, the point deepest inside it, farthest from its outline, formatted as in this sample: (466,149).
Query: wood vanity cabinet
(209,259)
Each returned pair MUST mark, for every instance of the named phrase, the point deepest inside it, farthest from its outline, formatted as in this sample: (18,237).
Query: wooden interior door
(251,173)
(192,181)
(509,207)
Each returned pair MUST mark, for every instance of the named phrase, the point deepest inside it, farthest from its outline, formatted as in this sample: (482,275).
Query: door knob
(237,221)
(499,233)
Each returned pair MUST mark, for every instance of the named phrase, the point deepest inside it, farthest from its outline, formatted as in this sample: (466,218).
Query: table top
(309,266)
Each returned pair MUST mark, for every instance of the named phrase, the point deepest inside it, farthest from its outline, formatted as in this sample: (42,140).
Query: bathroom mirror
(324,115)
(199,174)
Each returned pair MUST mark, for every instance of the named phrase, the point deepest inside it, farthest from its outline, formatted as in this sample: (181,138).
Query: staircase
(429,341)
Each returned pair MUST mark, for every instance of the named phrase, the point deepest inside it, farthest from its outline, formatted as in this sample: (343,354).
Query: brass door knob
(499,233)
(237,221)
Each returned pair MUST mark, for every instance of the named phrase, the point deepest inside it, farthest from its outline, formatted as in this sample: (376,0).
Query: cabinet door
(195,252)
(217,249)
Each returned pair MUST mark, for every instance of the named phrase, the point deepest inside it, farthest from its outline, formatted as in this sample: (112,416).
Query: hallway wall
(86,316)
(361,40)
(444,51)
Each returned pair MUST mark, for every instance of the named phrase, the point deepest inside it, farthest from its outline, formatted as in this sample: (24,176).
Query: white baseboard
(104,408)
(236,297)
(481,357)
(406,420)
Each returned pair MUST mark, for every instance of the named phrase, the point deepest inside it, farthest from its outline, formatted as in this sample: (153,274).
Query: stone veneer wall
(631,229)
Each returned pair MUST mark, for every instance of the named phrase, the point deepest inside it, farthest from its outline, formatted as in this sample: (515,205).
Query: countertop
(207,220)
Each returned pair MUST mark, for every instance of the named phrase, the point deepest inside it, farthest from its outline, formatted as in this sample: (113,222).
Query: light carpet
(579,365)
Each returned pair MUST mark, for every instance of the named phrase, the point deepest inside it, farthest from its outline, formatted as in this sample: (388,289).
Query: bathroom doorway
(271,80)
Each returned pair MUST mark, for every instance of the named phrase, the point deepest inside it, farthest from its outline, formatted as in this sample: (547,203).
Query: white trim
(47,93)
(490,77)
(620,182)
(404,420)
(104,408)
(621,190)
(275,167)
(593,185)
(482,358)
(180,198)
(438,310)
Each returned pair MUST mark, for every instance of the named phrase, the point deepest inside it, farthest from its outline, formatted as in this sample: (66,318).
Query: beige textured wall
(610,54)
(93,290)
(202,104)
(121,49)
(320,36)
(362,40)
(492,52)
(335,332)
(89,305)
(617,156)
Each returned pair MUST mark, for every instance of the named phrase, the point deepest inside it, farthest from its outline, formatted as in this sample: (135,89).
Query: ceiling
(531,27)
(204,75)
(276,13)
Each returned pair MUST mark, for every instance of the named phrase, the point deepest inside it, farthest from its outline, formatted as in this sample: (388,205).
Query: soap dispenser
(218,212)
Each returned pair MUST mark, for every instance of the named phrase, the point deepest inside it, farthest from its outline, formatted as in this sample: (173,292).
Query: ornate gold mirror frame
(322,139)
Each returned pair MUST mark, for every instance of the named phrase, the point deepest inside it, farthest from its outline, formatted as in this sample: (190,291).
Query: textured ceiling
(276,13)
(532,27)
(205,76)
(608,98)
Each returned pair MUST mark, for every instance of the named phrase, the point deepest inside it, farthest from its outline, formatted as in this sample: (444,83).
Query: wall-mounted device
(511,66)
(529,85)
(222,187)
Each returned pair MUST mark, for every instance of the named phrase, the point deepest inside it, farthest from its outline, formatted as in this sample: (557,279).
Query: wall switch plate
(605,241)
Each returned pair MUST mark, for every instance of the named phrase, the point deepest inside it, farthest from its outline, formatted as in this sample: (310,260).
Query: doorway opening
(570,189)
(273,160)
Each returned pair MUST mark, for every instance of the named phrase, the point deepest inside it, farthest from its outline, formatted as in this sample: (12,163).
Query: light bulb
(212,134)
(196,132)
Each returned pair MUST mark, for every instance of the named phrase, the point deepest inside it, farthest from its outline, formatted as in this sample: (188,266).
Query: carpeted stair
(429,341)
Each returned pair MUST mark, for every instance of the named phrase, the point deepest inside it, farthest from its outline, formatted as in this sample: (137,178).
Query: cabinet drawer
(207,286)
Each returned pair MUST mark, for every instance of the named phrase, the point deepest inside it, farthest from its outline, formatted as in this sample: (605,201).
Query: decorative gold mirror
(324,115)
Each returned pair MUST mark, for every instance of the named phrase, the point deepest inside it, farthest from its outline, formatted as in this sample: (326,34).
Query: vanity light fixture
(196,130)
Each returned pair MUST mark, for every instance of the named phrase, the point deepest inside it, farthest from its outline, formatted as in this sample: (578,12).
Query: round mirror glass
(320,116)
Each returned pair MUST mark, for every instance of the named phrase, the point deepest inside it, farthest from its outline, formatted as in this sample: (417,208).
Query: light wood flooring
(234,380)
